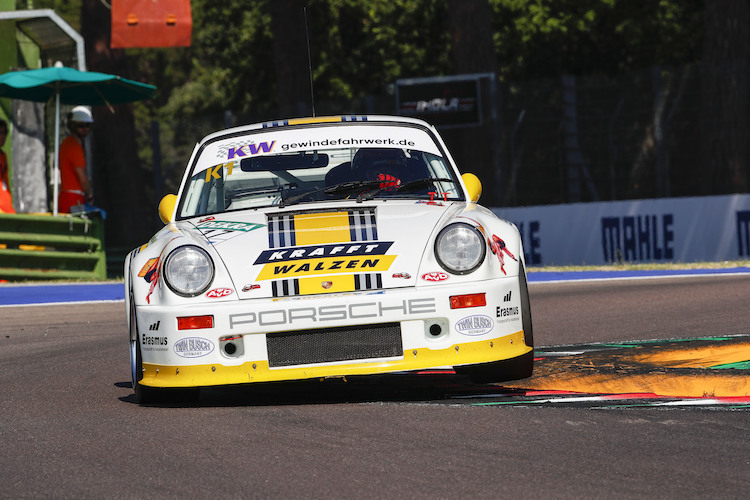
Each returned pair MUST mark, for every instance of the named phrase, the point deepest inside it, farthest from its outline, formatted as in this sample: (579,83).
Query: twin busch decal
(219,292)
(478,324)
(435,276)
(193,347)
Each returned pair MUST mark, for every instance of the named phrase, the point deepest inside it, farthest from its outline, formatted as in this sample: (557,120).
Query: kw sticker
(243,148)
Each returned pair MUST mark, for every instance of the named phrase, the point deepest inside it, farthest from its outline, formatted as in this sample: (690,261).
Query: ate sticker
(435,276)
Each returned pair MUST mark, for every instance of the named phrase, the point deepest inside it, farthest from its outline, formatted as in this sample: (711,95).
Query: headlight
(460,248)
(188,271)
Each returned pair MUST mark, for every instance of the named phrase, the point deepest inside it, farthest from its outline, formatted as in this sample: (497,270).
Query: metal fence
(46,247)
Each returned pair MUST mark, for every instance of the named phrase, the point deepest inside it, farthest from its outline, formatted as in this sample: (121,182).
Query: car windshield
(284,168)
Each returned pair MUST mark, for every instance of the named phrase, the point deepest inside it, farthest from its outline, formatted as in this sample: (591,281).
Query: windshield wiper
(341,187)
(352,186)
(369,188)
(241,193)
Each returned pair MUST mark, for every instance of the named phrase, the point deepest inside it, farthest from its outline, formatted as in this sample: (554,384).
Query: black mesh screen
(326,345)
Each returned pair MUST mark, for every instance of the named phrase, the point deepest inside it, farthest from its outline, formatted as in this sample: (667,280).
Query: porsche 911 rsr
(325,247)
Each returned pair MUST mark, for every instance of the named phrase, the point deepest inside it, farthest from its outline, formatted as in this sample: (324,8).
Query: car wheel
(508,369)
(143,394)
(528,330)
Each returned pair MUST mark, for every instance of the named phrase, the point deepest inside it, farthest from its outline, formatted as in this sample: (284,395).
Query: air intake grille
(327,345)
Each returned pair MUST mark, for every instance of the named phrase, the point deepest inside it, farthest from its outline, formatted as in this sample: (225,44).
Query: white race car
(325,247)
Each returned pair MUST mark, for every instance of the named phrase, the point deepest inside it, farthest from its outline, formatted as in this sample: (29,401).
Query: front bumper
(430,334)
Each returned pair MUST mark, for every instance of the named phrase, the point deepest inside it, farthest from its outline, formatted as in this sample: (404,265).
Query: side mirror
(473,185)
(166,207)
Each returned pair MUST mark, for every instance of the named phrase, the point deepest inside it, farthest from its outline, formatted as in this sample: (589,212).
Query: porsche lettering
(365,310)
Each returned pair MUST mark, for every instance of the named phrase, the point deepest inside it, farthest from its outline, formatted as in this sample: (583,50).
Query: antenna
(309,63)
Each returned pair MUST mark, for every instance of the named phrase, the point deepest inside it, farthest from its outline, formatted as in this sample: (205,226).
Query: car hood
(332,248)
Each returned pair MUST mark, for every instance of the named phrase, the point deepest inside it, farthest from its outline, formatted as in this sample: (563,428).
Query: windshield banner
(314,139)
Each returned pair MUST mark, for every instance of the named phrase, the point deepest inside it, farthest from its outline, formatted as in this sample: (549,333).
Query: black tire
(146,395)
(528,329)
(143,394)
(508,369)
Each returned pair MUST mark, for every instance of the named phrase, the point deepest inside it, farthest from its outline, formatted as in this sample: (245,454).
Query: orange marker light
(470,300)
(195,322)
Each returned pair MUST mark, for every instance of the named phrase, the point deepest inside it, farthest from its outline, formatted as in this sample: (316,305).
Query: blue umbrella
(71,86)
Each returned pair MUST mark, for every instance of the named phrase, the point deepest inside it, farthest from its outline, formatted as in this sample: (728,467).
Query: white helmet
(81,114)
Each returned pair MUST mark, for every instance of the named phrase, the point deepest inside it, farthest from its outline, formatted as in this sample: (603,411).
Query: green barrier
(44,247)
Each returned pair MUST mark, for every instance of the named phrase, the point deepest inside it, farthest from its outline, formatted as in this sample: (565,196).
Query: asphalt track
(69,427)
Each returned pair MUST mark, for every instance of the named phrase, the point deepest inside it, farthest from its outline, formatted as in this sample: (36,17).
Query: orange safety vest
(6,199)
(72,156)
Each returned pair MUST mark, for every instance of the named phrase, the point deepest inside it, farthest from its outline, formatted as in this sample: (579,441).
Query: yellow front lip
(484,351)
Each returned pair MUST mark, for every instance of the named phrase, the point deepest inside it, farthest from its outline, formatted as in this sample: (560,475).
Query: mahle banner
(698,229)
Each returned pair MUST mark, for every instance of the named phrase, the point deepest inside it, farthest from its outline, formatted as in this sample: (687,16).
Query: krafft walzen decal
(326,252)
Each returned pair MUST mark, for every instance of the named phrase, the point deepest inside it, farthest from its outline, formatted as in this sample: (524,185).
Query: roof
(341,119)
